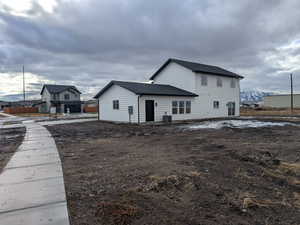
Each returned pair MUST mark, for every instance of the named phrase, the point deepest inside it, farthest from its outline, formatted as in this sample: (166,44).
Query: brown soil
(159,175)
(10,139)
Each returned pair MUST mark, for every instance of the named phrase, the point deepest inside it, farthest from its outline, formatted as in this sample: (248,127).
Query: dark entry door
(149,110)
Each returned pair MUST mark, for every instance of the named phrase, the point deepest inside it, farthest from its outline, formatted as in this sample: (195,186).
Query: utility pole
(292,94)
(23,85)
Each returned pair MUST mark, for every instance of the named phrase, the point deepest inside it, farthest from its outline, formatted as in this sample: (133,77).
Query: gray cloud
(90,42)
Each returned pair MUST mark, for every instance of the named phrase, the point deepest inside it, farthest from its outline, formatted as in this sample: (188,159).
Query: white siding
(281,101)
(164,106)
(210,93)
(46,97)
(178,76)
(126,98)
(73,96)
(181,77)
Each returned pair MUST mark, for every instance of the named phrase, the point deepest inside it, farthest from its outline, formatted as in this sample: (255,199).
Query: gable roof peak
(198,68)
(56,88)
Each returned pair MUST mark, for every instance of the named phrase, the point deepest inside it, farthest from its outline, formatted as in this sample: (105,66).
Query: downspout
(138,109)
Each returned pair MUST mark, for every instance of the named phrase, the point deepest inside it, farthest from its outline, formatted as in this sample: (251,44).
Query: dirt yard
(164,175)
(10,139)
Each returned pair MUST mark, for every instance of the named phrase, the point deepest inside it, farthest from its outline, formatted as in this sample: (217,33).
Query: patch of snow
(236,124)
(57,122)
(79,115)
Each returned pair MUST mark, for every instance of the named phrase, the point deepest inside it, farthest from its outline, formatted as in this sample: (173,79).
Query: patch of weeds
(116,213)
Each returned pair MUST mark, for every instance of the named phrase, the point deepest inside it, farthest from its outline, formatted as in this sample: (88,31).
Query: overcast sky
(87,43)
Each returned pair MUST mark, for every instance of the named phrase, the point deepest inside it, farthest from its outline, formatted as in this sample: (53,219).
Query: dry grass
(297,199)
(290,167)
(284,175)
(116,212)
(252,202)
(269,112)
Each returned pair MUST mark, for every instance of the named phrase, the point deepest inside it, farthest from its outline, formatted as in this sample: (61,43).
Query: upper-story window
(232,83)
(67,96)
(55,96)
(204,80)
(219,82)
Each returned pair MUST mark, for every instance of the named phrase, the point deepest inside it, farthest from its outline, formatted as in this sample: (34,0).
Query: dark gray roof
(54,89)
(148,89)
(198,68)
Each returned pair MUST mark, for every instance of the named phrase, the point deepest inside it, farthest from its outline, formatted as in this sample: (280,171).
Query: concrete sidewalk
(31,185)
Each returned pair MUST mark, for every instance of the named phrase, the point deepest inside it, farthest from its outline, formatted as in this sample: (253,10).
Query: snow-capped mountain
(254,96)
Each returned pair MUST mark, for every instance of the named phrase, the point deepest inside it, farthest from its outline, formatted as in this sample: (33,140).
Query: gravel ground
(129,174)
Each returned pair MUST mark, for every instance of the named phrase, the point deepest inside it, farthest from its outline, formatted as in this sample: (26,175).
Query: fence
(90,109)
(16,110)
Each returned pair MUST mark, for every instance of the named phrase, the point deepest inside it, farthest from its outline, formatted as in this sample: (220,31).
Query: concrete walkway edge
(32,190)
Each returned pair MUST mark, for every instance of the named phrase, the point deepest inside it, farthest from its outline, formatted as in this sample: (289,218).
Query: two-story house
(185,90)
(64,98)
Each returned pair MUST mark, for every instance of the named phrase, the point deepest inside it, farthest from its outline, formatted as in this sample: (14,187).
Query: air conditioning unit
(167,119)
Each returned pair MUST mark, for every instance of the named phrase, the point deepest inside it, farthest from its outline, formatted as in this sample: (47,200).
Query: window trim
(67,95)
(219,82)
(181,107)
(186,107)
(216,104)
(116,105)
(204,80)
(175,107)
(233,83)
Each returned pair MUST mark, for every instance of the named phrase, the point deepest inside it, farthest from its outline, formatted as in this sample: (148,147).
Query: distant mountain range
(254,96)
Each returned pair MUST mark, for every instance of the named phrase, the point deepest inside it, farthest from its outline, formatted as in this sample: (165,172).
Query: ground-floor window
(181,107)
(188,107)
(116,104)
(174,107)
(216,104)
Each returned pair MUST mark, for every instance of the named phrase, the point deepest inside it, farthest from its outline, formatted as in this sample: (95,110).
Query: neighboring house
(4,104)
(62,97)
(281,101)
(182,89)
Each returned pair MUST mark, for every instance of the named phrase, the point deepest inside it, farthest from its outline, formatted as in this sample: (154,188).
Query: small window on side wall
(67,97)
(204,80)
(181,107)
(219,82)
(174,107)
(216,104)
(188,107)
(232,83)
(116,104)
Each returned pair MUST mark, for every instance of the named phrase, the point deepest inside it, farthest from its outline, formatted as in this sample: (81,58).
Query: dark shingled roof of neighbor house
(54,88)
(148,89)
(198,68)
